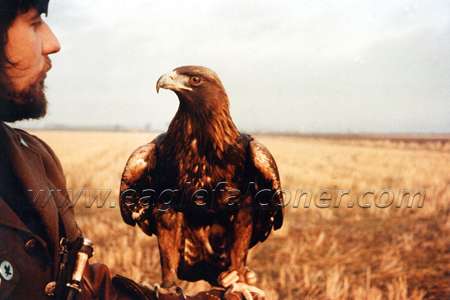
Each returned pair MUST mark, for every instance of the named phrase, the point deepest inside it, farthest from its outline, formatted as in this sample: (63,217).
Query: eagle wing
(137,177)
(269,203)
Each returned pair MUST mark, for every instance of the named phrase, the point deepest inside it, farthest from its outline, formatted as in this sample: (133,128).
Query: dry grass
(321,253)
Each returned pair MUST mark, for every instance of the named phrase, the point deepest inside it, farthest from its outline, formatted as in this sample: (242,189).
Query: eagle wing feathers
(138,168)
(267,177)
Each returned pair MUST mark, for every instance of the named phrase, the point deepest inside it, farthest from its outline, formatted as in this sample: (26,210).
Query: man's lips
(48,67)
(43,75)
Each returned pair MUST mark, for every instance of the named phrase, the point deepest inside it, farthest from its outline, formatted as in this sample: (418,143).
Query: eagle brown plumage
(208,192)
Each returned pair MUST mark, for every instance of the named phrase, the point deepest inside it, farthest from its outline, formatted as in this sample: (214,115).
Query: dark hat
(16,5)
(42,6)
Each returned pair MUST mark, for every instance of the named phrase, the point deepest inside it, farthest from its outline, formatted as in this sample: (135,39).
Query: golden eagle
(208,192)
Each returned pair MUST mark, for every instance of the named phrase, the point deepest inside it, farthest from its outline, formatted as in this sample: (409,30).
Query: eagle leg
(169,230)
(239,278)
(242,232)
(242,229)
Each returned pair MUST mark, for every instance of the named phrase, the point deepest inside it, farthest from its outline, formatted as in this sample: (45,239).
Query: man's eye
(37,22)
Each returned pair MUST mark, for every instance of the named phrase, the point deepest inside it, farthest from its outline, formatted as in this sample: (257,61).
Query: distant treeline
(400,137)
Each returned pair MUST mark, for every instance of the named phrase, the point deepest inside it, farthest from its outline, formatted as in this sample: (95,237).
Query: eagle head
(203,113)
(196,87)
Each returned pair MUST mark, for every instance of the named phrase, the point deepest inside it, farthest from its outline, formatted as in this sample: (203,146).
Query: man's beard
(28,104)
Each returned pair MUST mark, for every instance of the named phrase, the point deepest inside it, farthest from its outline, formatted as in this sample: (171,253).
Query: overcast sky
(340,66)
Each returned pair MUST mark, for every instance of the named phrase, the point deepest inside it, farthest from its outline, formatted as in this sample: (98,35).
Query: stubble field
(332,245)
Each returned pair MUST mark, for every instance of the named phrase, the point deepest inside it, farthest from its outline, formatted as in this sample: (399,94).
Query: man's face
(30,42)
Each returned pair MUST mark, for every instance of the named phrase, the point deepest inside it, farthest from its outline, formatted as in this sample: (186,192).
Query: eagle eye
(195,80)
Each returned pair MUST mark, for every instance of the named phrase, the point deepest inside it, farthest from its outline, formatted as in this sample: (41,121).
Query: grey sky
(307,65)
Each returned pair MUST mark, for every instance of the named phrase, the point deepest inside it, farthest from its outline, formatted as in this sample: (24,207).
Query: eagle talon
(180,292)
(228,278)
(250,276)
(248,291)
(157,288)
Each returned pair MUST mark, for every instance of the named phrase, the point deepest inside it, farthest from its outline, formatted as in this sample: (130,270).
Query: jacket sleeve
(98,284)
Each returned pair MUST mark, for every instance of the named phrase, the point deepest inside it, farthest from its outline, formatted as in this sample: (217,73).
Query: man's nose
(50,41)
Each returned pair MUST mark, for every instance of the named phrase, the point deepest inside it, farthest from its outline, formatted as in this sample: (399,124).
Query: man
(33,219)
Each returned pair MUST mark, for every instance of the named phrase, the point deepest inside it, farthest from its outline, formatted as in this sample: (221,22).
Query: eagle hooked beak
(173,81)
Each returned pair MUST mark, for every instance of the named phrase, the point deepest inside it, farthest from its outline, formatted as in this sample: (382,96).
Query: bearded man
(32,223)
(33,220)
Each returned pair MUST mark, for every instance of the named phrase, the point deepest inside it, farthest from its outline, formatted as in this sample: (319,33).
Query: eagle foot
(249,292)
(250,276)
(235,288)
(228,277)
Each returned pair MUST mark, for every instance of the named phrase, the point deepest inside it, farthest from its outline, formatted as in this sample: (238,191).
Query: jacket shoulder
(37,144)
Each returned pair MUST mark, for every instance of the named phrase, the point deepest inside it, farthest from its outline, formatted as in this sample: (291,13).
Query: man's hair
(9,10)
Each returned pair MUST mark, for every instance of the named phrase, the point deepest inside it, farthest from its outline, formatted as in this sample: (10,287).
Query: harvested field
(332,246)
